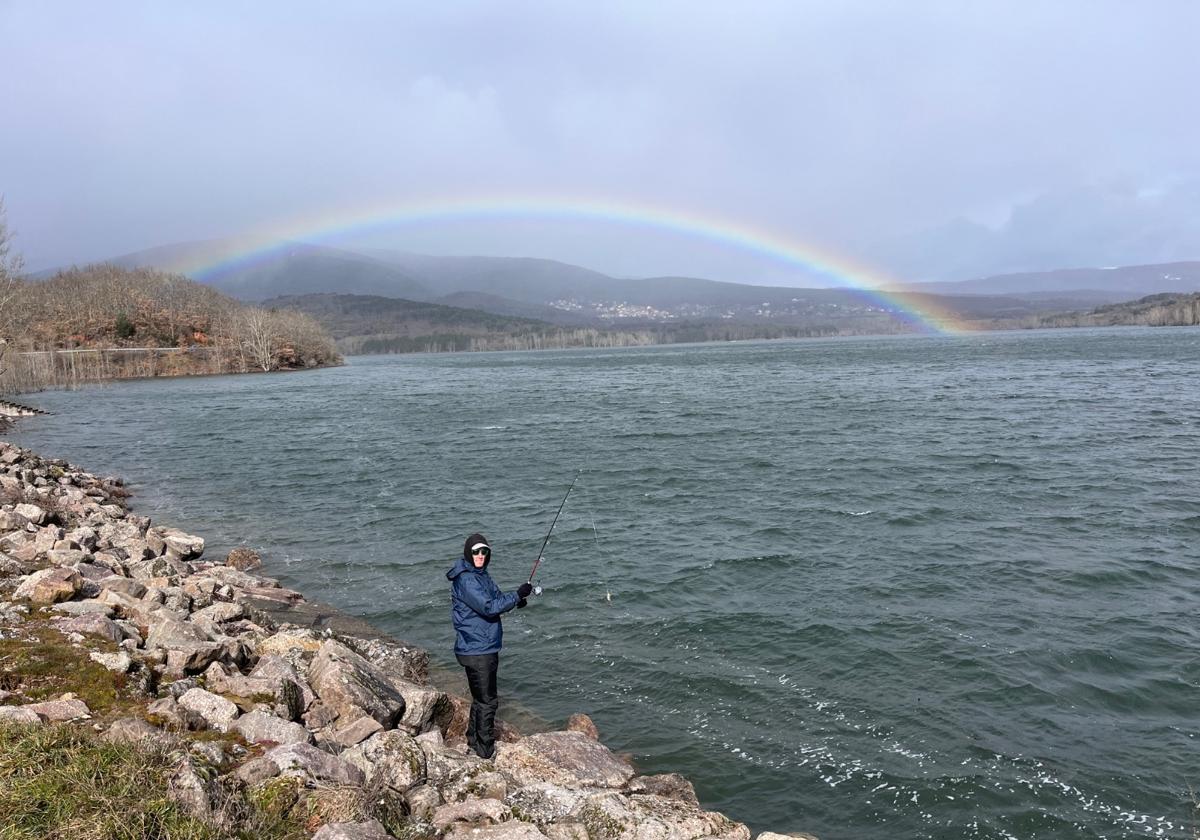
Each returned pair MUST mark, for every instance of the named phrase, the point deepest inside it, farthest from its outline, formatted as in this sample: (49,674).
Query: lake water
(868,588)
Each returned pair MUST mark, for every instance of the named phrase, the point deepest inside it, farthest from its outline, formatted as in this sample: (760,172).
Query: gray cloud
(855,126)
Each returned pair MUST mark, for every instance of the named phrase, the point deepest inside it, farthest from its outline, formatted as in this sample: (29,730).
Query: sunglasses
(486,552)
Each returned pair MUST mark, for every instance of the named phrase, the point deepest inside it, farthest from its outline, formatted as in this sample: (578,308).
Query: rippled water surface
(871,588)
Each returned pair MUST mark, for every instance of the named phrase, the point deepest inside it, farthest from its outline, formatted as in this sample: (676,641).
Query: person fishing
(476,604)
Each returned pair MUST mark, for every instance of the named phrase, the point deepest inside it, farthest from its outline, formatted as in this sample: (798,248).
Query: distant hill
(567,295)
(1122,283)
(291,268)
(345,316)
(518,309)
(1164,310)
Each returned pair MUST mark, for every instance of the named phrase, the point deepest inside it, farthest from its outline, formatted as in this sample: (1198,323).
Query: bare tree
(11,264)
(259,336)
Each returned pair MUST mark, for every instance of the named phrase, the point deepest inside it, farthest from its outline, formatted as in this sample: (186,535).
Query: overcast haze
(931,139)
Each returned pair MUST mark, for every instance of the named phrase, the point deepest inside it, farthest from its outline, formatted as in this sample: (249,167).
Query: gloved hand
(522,604)
(524,590)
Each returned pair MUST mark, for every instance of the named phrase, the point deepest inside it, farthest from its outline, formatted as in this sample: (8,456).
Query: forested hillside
(104,322)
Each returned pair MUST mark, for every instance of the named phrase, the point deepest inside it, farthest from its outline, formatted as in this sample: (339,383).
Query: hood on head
(471,542)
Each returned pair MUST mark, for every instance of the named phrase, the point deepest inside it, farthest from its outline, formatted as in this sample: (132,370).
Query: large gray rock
(476,812)
(421,801)
(392,758)
(398,661)
(420,701)
(49,586)
(671,785)
(618,817)
(66,557)
(372,830)
(351,733)
(309,762)
(57,711)
(220,612)
(191,791)
(569,759)
(91,606)
(33,513)
(544,803)
(188,647)
(222,680)
(91,624)
(128,586)
(352,686)
(216,712)
(259,727)
(511,830)
(119,662)
(292,692)
(20,715)
(132,730)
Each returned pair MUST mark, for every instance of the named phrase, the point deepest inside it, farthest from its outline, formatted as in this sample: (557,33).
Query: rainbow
(922,313)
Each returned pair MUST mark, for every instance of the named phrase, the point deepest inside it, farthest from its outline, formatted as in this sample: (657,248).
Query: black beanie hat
(475,539)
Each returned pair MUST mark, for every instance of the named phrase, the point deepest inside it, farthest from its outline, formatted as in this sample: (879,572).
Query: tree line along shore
(148,692)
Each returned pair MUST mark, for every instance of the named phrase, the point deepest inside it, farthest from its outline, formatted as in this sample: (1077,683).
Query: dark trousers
(481,678)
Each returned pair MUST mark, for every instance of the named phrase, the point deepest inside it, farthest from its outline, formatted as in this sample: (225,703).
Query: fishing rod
(546,541)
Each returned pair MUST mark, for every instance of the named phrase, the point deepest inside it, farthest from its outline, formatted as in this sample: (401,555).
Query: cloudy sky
(928,139)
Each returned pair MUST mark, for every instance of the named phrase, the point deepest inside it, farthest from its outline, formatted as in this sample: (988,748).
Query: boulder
(181,545)
(392,758)
(188,647)
(20,715)
(243,559)
(132,730)
(618,817)
(671,785)
(91,624)
(256,771)
(32,513)
(353,733)
(168,710)
(420,702)
(216,712)
(397,660)
(370,830)
(352,686)
(119,662)
(475,812)
(88,607)
(511,830)
(288,643)
(291,690)
(220,612)
(63,709)
(190,791)
(485,785)
(49,586)
(259,727)
(570,759)
(306,761)
(421,801)
(220,679)
(543,803)
(12,521)
(580,722)
(66,557)
(128,586)
(443,765)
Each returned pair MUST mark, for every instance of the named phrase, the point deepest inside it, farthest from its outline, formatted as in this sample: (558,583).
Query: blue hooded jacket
(475,607)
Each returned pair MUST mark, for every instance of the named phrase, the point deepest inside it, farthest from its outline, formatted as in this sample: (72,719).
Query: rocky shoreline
(254,707)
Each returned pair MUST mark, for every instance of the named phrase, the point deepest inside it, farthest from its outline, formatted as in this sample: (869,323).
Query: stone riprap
(318,709)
